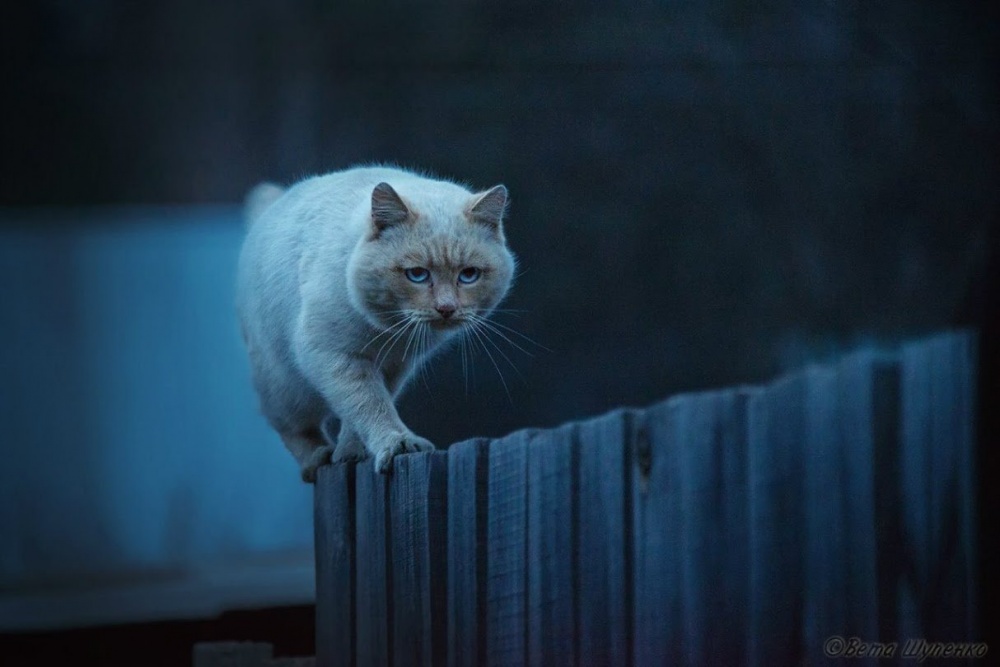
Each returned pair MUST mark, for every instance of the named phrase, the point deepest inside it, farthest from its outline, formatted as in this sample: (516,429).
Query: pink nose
(446,311)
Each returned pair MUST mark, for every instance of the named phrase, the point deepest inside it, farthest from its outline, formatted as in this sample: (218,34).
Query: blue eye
(418,274)
(470,274)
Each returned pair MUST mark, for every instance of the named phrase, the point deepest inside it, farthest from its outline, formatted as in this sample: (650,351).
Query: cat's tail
(258,200)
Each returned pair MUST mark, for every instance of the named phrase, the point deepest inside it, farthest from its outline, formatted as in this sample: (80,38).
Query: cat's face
(438,266)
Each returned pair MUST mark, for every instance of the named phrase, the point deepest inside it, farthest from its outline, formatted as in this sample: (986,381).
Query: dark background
(702,193)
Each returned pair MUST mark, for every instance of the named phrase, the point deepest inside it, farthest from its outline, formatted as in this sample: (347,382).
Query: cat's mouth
(446,324)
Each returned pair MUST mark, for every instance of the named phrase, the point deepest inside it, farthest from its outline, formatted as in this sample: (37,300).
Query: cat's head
(436,254)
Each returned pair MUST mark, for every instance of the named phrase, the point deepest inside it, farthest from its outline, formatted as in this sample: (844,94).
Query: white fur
(315,287)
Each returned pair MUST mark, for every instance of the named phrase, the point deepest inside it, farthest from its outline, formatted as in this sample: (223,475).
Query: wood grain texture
(657,537)
(507,551)
(840,555)
(335,516)
(713,551)
(419,522)
(467,520)
(552,565)
(373,551)
(776,430)
(937,399)
(604,526)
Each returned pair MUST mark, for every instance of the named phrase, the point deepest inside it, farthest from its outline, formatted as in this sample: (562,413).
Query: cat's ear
(388,209)
(488,208)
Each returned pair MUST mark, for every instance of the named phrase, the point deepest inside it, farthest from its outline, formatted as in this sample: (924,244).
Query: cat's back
(316,216)
(323,216)
(350,190)
(320,209)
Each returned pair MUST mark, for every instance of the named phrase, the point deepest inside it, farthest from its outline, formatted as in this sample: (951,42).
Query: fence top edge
(874,356)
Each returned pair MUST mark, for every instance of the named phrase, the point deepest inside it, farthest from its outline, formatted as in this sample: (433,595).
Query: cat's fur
(331,321)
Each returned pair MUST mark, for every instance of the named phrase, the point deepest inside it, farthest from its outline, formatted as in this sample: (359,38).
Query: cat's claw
(352,456)
(407,444)
(320,456)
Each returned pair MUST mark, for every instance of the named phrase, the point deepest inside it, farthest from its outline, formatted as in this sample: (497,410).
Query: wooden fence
(745,526)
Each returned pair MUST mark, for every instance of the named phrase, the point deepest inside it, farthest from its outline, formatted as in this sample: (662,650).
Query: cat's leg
(309,449)
(356,392)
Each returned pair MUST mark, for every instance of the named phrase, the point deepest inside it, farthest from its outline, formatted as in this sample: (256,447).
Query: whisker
(490,326)
(401,322)
(409,339)
(514,332)
(424,347)
(501,352)
(395,329)
(478,336)
(391,342)
(465,370)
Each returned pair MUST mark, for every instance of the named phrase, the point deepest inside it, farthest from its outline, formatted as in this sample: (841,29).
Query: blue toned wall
(136,468)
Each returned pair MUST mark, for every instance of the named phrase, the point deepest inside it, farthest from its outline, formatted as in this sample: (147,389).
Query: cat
(346,284)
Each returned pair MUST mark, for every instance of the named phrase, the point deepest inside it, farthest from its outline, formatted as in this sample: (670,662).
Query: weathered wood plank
(657,537)
(843,406)
(936,465)
(335,574)
(374,575)
(467,525)
(418,519)
(776,431)
(604,525)
(507,551)
(552,563)
(437,519)
(889,547)
(825,530)
(711,431)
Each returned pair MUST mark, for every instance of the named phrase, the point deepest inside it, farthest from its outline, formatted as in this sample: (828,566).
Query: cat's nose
(446,310)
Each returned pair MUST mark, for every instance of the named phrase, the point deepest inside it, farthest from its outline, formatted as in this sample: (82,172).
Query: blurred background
(703,194)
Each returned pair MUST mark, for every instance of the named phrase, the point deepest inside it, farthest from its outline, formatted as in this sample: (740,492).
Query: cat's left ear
(488,208)
(388,209)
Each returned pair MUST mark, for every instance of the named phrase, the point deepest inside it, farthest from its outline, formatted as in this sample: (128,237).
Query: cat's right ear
(488,208)
(388,209)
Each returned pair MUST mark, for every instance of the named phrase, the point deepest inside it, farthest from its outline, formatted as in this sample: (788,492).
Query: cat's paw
(319,457)
(402,443)
(353,452)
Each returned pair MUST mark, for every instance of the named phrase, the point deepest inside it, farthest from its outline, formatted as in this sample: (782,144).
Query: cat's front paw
(399,443)
(349,451)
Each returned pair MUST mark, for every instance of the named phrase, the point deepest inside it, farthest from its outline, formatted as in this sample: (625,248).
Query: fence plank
(604,521)
(552,563)
(936,463)
(335,574)
(657,537)
(711,430)
(373,556)
(507,551)
(842,410)
(419,525)
(467,521)
(776,431)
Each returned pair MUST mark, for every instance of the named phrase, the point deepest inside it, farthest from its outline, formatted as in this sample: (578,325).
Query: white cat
(347,283)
